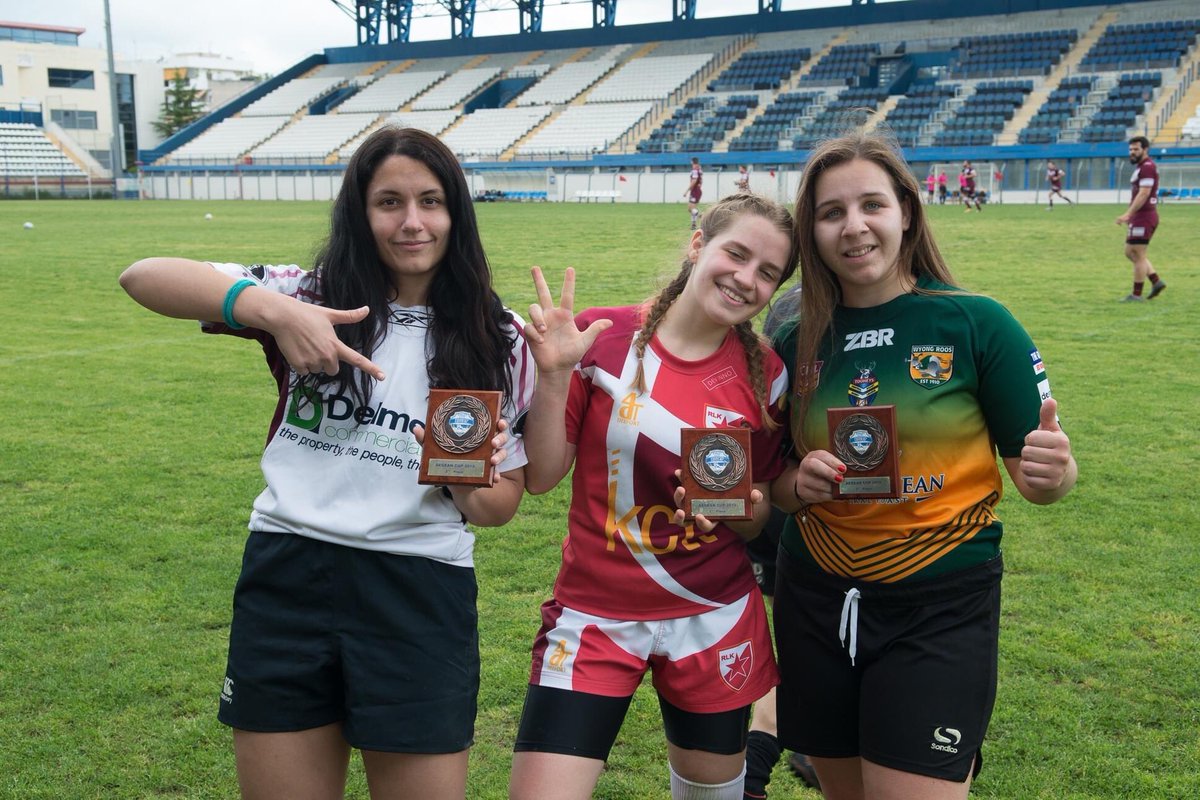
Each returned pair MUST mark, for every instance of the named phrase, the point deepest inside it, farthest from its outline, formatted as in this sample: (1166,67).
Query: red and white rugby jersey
(347,474)
(623,557)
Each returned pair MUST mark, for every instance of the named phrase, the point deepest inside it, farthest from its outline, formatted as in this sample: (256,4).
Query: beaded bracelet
(230,298)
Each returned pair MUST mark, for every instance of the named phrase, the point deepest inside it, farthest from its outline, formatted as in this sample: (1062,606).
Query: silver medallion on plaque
(717,462)
(861,442)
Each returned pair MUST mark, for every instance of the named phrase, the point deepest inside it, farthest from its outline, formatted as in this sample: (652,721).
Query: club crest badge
(460,424)
(808,378)
(931,365)
(864,388)
(736,664)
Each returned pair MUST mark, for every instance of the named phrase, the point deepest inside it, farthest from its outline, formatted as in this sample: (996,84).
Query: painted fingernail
(837,478)
(841,467)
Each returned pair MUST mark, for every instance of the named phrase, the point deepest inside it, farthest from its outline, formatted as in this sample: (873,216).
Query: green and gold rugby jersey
(967,382)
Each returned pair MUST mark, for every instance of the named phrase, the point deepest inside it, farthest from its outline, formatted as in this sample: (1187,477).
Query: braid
(752,346)
(655,314)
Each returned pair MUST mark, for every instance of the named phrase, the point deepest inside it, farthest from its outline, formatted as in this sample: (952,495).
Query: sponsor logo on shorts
(945,739)
(736,663)
(227,690)
(558,658)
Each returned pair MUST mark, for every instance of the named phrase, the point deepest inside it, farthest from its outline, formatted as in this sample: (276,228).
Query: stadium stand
(391,92)
(1147,45)
(585,129)
(566,82)
(455,89)
(648,78)
(1011,54)
(228,140)
(311,138)
(778,123)
(26,151)
(1121,108)
(293,96)
(491,131)
(429,121)
(983,114)
(1058,110)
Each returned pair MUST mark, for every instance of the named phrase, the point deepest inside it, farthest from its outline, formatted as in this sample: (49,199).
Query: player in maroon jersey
(1054,176)
(1141,220)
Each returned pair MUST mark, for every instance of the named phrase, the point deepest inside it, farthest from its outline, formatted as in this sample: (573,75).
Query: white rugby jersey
(348,475)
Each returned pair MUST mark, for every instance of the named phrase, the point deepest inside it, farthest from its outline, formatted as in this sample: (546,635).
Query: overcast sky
(274,34)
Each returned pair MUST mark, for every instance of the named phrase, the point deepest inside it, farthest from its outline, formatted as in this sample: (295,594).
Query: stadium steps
(644,50)
(1012,130)
(793,83)
(756,112)
(628,142)
(881,113)
(402,66)
(474,62)
(84,167)
(1171,129)
(511,153)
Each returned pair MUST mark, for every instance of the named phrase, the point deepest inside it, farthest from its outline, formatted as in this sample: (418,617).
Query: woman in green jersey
(887,608)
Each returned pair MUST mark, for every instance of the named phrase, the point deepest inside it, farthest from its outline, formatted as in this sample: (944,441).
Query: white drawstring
(849,623)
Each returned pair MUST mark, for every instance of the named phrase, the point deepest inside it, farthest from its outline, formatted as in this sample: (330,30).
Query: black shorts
(574,723)
(386,645)
(763,550)
(919,695)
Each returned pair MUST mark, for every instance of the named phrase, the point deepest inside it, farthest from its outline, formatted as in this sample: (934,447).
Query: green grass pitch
(130,448)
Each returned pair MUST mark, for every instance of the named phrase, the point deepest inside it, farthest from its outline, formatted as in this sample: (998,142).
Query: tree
(181,106)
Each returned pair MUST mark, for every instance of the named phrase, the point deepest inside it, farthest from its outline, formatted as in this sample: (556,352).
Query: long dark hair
(467,346)
(716,220)
(919,254)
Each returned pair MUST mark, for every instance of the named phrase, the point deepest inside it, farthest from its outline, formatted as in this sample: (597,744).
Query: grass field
(130,450)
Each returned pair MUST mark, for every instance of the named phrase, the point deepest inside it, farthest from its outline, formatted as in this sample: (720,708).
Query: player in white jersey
(354,620)
(639,589)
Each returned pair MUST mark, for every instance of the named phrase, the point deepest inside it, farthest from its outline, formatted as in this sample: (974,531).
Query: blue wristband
(230,298)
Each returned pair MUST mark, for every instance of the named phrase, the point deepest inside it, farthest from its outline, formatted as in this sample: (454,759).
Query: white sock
(683,789)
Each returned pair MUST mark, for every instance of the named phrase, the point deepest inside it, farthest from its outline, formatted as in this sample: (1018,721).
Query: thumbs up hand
(1046,457)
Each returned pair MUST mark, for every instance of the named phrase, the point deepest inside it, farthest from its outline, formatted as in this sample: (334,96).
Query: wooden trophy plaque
(459,428)
(715,473)
(864,438)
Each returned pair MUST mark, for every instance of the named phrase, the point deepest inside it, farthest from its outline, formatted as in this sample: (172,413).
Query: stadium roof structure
(769,20)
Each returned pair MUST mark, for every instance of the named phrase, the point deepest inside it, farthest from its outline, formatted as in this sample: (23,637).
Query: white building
(46,77)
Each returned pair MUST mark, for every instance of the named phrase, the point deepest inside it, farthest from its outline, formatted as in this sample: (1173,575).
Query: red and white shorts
(711,662)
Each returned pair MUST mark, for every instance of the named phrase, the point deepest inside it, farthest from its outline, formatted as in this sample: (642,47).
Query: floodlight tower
(684,10)
(371,15)
(604,13)
(769,6)
(462,17)
(531,15)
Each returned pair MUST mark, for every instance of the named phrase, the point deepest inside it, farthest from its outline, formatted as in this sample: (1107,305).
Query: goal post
(986,179)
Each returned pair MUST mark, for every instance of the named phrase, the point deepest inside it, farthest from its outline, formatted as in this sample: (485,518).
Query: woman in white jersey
(354,617)
(638,589)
